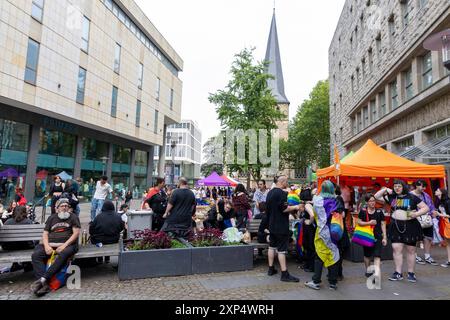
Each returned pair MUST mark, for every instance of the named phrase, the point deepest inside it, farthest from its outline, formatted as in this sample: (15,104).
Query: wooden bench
(33,232)
(253,227)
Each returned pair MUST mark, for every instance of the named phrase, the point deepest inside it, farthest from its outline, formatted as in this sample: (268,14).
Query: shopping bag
(363,235)
(444,228)
(59,279)
(336,226)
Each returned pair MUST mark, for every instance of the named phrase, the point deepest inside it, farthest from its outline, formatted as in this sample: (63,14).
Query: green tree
(213,157)
(309,133)
(247,103)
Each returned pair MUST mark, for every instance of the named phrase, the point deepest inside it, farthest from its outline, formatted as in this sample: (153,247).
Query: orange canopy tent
(372,162)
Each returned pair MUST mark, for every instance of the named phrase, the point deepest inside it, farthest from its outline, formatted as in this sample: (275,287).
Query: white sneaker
(431,261)
(445,265)
(419,260)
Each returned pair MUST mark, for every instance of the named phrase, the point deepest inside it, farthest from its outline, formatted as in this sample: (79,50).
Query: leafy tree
(211,151)
(247,103)
(309,133)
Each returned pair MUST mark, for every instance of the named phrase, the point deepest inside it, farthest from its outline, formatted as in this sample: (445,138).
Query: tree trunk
(248,180)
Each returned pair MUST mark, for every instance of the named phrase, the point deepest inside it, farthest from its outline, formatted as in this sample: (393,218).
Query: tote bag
(364,236)
(444,228)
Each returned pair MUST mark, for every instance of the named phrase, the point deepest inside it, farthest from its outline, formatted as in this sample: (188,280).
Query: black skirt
(406,232)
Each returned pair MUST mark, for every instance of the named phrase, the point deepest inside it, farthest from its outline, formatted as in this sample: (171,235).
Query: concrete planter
(186,261)
(222,259)
(154,263)
(356,254)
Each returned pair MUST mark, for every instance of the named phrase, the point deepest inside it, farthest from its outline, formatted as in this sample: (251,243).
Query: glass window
(382,104)
(405,144)
(409,84)
(32,61)
(56,143)
(81,85)
(121,155)
(37,9)
(407,9)
(373,111)
(156,121)
(94,149)
(109,4)
(171,99)
(14,136)
(427,71)
(422,3)
(394,94)
(114,102)
(140,75)
(138,113)
(85,36)
(365,117)
(141,158)
(158,88)
(117,51)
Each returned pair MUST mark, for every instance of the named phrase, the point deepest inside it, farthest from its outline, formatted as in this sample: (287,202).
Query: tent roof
(213,180)
(373,161)
(232,182)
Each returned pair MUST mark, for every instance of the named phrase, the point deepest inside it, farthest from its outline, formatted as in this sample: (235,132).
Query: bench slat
(26,231)
(22,227)
(21,238)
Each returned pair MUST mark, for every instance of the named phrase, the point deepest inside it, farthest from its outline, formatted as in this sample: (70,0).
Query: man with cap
(61,233)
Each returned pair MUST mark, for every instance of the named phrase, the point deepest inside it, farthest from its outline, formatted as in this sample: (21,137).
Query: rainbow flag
(298,234)
(293,198)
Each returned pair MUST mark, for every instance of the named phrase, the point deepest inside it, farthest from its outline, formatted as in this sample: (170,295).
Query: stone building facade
(383,84)
(86,87)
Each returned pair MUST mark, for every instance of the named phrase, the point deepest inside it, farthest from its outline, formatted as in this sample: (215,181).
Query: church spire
(274,58)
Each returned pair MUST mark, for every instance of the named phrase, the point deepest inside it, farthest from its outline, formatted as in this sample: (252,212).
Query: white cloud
(208,33)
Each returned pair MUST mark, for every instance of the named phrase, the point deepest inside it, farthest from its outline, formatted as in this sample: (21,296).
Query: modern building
(182,152)
(384,85)
(86,87)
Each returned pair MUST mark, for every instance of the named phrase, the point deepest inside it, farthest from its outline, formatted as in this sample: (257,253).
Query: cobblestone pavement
(102,283)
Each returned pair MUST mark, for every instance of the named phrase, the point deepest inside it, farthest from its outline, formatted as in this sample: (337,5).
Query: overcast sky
(208,33)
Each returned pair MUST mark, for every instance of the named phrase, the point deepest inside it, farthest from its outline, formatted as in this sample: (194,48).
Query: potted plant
(153,254)
(211,254)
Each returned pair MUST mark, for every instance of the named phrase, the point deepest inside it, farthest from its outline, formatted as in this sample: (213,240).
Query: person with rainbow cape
(327,253)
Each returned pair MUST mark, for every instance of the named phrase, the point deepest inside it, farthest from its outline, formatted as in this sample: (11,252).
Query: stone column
(162,155)
(401,88)
(150,163)
(78,157)
(388,97)
(132,168)
(438,69)
(416,75)
(30,180)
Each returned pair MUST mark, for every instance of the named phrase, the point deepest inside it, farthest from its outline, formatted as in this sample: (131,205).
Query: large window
(373,111)
(81,85)
(140,75)
(427,71)
(56,143)
(409,89)
(121,155)
(138,113)
(406,10)
(405,144)
(14,136)
(37,9)
(394,94)
(94,149)
(114,102)
(443,131)
(365,117)
(156,121)
(32,62)
(382,104)
(85,35)
(117,52)
(158,88)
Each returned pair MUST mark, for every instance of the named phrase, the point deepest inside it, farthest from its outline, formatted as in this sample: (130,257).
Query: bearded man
(61,235)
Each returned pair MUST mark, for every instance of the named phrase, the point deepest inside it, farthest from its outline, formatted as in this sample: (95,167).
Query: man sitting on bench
(61,235)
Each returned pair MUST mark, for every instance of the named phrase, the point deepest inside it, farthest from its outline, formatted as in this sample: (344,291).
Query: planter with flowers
(211,254)
(155,254)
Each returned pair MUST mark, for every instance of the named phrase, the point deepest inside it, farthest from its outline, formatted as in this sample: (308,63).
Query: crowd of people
(174,211)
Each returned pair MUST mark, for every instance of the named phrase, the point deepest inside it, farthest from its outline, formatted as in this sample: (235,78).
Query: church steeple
(274,58)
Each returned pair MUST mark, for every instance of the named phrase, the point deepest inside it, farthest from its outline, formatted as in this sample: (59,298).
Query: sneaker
(286,277)
(446,265)
(412,277)
(396,277)
(272,271)
(333,287)
(44,290)
(419,260)
(369,274)
(312,285)
(36,286)
(431,261)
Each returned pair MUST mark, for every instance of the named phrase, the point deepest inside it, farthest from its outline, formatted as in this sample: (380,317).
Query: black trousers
(332,272)
(309,247)
(40,257)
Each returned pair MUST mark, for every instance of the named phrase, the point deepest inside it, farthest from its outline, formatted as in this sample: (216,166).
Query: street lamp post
(440,42)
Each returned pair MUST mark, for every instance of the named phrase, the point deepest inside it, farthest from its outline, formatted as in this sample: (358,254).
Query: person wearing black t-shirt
(278,215)
(371,216)
(405,229)
(309,232)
